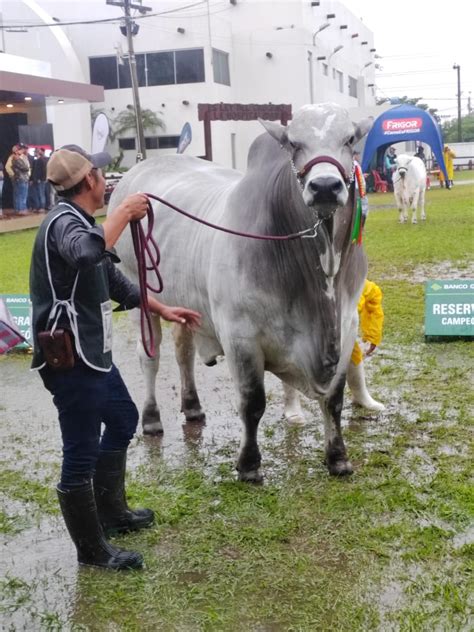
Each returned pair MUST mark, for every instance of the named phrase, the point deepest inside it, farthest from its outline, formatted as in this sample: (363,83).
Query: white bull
(289,307)
(409,186)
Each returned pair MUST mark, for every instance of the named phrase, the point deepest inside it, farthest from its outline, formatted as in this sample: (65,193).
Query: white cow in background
(409,186)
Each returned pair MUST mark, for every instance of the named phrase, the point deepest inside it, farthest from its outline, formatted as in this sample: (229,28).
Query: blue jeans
(20,194)
(38,195)
(85,399)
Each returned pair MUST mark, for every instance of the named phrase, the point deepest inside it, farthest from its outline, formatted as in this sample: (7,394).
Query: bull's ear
(363,127)
(276,130)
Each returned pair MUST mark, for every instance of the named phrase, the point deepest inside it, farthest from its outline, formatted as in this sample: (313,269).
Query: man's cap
(70,164)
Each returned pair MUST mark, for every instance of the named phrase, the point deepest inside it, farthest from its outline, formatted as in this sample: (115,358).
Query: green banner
(19,306)
(449,308)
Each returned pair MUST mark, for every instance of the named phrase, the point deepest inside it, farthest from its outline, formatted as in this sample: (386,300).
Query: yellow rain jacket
(448,154)
(370,317)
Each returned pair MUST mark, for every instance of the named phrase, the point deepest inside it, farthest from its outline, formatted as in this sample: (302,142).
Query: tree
(450,129)
(126,120)
(409,101)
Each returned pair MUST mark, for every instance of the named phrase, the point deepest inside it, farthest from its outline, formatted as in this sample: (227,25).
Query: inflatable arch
(404,123)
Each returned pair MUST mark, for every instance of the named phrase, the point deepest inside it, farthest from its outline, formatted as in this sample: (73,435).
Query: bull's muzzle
(326,191)
(402,172)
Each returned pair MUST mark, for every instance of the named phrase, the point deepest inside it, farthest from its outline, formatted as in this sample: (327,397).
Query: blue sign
(185,138)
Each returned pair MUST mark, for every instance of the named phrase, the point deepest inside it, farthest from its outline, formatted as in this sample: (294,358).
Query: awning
(15,86)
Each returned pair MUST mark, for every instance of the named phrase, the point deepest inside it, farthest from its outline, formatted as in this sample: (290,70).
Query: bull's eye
(294,146)
(350,141)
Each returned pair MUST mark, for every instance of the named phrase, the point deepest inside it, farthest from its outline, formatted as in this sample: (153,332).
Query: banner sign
(185,138)
(402,126)
(19,307)
(449,308)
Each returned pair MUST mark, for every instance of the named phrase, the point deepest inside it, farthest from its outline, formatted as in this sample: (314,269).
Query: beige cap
(70,164)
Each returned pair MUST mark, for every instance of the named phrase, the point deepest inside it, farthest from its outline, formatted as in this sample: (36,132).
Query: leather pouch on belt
(57,348)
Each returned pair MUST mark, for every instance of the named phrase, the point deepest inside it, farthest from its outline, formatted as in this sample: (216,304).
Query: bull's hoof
(413,221)
(423,218)
(194,415)
(153,429)
(340,468)
(296,419)
(251,476)
(151,421)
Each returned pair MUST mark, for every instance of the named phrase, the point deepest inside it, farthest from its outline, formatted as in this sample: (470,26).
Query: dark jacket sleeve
(79,245)
(122,291)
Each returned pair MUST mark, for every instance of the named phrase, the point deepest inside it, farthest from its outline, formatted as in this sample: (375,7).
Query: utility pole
(457,67)
(127,5)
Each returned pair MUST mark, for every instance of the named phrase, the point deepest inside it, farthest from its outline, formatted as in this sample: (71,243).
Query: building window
(160,68)
(127,143)
(220,65)
(168,142)
(352,87)
(153,69)
(151,142)
(125,80)
(325,69)
(189,65)
(103,72)
(340,81)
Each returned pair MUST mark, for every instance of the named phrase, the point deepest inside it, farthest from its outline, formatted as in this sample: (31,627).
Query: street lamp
(321,28)
(336,50)
(457,67)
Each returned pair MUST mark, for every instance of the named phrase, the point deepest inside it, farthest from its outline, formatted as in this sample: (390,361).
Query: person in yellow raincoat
(449,155)
(371,319)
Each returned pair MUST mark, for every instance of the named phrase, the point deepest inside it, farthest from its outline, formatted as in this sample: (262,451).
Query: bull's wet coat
(284,307)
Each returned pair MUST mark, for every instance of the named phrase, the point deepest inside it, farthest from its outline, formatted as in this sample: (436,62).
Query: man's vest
(88,308)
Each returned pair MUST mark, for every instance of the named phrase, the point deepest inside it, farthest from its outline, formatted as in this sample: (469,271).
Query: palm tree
(126,120)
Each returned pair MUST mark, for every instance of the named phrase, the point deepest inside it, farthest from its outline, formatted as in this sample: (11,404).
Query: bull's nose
(326,189)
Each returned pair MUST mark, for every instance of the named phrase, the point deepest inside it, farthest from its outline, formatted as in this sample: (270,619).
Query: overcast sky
(419,42)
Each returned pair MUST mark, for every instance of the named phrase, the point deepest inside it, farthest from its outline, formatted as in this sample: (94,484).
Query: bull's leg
(414,206)
(399,202)
(422,204)
(185,352)
(336,456)
(293,413)
(150,414)
(248,373)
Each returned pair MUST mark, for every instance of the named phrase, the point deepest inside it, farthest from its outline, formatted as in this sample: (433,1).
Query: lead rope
(145,246)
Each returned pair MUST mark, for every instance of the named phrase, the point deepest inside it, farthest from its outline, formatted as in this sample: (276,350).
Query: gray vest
(88,308)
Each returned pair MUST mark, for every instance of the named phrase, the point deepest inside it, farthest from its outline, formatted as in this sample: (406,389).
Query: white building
(230,51)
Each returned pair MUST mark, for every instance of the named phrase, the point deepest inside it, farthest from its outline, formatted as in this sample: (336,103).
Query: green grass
(383,550)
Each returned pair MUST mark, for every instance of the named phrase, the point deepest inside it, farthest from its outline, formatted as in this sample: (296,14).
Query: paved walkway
(12,223)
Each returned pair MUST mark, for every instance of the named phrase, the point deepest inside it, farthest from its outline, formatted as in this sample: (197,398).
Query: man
(38,181)
(72,280)
(21,174)
(390,165)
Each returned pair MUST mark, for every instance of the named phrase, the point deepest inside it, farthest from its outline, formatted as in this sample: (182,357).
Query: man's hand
(369,349)
(134,206)
(181,315)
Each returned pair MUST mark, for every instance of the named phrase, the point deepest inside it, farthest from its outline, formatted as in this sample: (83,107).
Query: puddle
(423,272)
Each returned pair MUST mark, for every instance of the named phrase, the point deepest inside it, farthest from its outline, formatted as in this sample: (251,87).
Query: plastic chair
(381,186)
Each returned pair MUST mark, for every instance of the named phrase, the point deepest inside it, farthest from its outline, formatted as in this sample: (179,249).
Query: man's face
(98,188)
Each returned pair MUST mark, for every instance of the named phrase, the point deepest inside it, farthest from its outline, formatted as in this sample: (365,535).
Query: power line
(99,21)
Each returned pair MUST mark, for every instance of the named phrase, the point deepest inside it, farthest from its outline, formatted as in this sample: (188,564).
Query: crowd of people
(24,188)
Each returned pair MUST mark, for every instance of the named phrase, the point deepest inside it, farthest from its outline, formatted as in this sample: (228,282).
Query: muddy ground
(42,555)
(41,579)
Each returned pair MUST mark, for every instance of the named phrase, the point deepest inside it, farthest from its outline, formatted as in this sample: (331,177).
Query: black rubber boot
(109,489)
(80,515)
